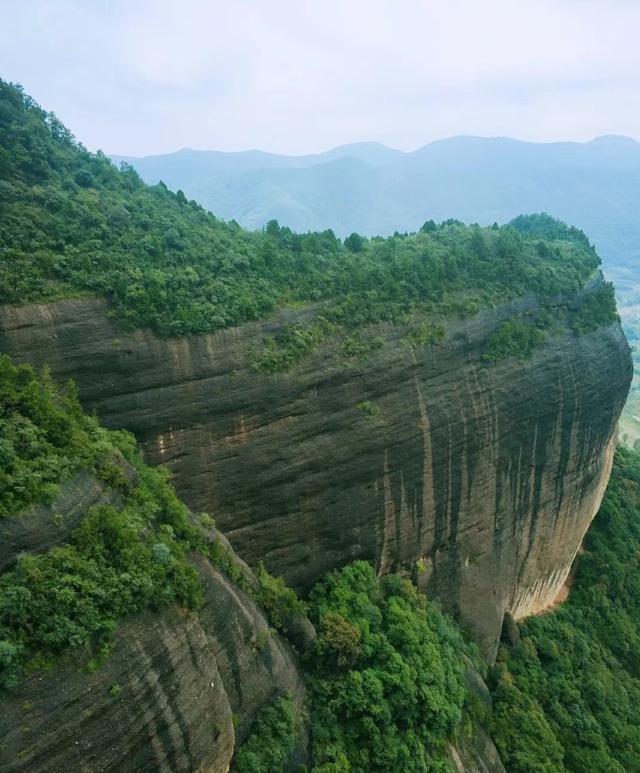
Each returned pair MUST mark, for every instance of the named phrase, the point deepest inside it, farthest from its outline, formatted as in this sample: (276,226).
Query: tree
(354,242)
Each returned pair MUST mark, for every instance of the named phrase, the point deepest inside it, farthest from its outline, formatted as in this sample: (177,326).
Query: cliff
(480,478)
(367,414)
(179,690)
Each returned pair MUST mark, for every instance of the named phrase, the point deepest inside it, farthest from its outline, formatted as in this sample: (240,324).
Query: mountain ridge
(374,190)
(345,147)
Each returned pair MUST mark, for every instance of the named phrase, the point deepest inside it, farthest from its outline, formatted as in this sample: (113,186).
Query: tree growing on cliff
(385,675)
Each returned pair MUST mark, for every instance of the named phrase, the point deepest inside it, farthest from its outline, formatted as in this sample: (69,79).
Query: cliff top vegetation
(71,223)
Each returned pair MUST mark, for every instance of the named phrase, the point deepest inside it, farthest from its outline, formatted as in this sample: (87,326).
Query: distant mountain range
(373,189)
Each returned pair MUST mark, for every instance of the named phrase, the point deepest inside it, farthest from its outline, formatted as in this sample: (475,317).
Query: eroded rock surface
(482,477)
(158,703)
(42,527)
(179,691)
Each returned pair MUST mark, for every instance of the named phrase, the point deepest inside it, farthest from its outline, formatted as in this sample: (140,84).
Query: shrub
(513,339)
(385,675)
(279,602)
(271,742)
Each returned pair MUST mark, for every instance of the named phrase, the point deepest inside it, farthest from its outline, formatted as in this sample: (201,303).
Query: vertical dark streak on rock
(294,471)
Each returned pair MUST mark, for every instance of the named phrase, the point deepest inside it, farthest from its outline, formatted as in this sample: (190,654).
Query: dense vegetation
(45,436)
(117,561)
(593,185)
(513,338)
(384,678)
(385,675)
(272,739)
(71,223)
(567,696)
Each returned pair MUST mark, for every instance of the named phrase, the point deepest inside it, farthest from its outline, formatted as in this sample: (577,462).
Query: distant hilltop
(372,189)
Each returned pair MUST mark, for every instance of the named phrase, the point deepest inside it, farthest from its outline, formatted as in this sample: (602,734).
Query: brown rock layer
(158,704)
(487,476)
(179,691)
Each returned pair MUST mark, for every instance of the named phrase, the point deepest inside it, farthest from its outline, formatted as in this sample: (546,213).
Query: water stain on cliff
(487,475)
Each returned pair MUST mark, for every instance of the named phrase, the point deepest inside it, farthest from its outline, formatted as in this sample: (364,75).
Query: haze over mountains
(376,190)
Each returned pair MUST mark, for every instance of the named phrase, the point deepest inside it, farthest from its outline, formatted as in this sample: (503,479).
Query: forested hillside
(373,189)
(71,223)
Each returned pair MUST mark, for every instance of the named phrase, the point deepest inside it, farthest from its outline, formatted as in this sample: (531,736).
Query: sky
(138,77)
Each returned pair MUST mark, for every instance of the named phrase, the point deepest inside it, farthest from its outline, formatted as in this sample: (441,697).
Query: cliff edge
(479,477)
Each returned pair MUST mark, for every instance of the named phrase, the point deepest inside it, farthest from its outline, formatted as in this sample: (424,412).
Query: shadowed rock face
(157,704)
(42,527)
(179,691)
(480,478)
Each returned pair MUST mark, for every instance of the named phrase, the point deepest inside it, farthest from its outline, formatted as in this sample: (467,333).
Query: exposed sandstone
(179,691)
(158,703)
(481,477)
(42,527)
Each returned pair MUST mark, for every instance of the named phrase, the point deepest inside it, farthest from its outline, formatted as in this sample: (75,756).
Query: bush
(278,601)
(597,310)
(513,339)
(385,675)
(45,437)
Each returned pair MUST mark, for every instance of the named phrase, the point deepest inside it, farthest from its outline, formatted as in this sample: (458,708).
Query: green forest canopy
(71,223)
(384,678)
(117,561)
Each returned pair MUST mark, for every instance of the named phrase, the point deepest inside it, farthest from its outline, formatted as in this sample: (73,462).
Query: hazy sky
(296,76)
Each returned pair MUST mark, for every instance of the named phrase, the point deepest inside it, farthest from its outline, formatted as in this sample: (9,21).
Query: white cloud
(301,75)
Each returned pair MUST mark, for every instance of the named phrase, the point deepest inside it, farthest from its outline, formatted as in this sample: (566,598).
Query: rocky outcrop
(471,749)
(480,478)
(42,527)
(254,662)
(158,703)
(179,690)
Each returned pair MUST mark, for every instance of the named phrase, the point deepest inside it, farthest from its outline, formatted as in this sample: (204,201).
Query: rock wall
(471,749)
(482,479)
(157,704)
(179,691)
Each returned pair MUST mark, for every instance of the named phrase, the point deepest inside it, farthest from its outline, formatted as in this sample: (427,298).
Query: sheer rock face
(158,703)
(179,691)
(480,478)
(42,527)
